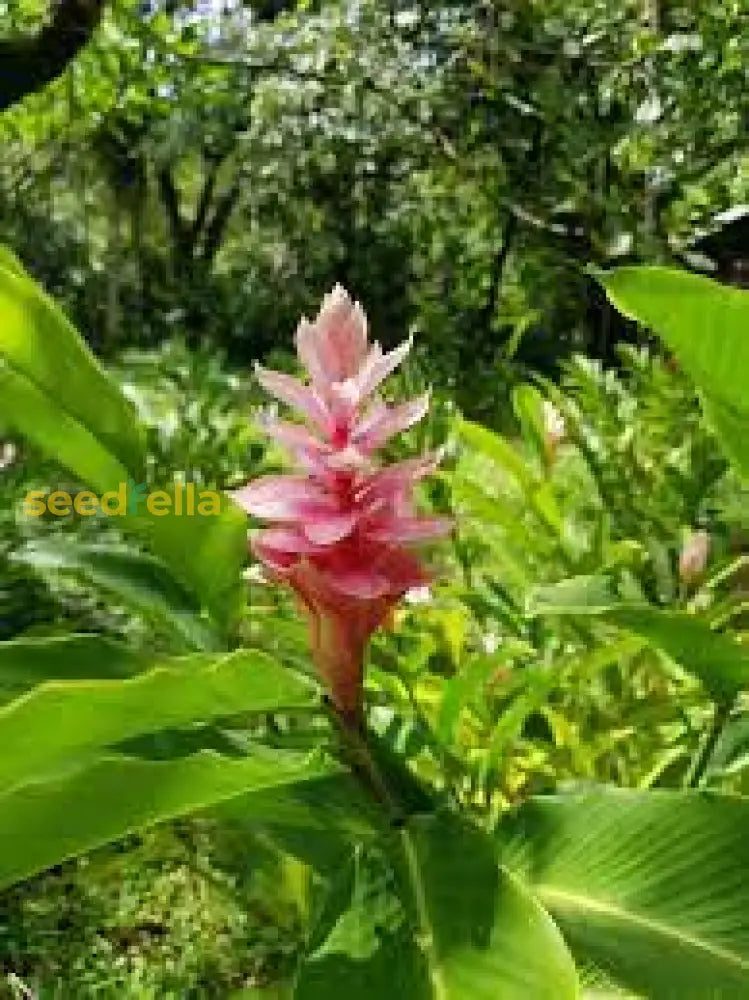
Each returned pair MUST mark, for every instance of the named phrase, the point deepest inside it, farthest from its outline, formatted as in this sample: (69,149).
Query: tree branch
(205,199)
(217,227)
(29,64)
(497,272)
(170,199)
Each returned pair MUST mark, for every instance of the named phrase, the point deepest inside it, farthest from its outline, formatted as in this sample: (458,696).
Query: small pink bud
(341,529)
(693,556)
(7,454)
(555,429)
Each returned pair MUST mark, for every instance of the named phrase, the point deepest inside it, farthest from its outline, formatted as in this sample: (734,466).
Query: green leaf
(528,404)
(135,578)
(731,753)
(650,887)
(730,427)
(315,821)
(706,325)
(481,934)
(459,690)
(205,553)
(54,393)
(540,496)
(29,661)
(362,945)
(39,418)
(500,451)
(44,349)
(715,658)
(720,662)
(46,822)
(62,721)
(445,923)
(575,595)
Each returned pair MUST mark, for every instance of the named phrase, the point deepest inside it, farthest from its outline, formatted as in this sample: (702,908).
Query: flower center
(339,437)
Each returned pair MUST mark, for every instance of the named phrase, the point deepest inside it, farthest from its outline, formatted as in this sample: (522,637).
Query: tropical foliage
(535,781)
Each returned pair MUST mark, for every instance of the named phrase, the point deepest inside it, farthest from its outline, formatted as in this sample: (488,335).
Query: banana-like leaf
(650,887)
(315,821)
(54,393)
(29,661)
(46,822)
(205,553)
(40,346)
(62,721)
(715,658)
(26,409)
(134,578)
(706,325)
(444,923)
(730,427)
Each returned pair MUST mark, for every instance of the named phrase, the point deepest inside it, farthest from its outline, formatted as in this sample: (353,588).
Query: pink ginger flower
(342,527)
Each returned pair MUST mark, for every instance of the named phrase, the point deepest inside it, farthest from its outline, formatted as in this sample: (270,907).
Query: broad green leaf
(29,661)
(315,821)
(446,923)
(39,418)
(46,822)
(481,934)
(10,262)
(650,887)
(138,580)
(717,659)
(68,720)
(40,345)
(730,427)
(54,393)
(706,324)
(205,553)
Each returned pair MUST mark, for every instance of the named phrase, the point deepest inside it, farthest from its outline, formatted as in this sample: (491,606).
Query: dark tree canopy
(30,63)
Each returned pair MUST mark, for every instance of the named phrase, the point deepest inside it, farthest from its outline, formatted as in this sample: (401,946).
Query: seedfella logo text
(184,500)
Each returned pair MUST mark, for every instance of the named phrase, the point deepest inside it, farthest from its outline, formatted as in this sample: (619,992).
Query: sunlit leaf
(650,887)
(447,923)
(63,721)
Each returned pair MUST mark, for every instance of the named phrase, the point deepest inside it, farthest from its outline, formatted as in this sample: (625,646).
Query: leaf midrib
(551,895)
